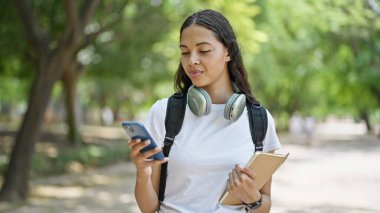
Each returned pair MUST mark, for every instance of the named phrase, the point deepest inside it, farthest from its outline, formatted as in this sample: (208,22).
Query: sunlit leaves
(328,50)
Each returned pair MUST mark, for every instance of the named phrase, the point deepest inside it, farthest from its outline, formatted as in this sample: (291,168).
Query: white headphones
(200,103)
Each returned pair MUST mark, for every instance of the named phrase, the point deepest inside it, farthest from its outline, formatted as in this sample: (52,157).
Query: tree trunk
(15,186)
(51,65)
(69,81)
(365,116)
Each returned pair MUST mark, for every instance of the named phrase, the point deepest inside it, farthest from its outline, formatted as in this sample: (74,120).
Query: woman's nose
(194,59)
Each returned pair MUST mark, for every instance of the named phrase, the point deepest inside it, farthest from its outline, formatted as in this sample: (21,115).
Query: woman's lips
(195,73)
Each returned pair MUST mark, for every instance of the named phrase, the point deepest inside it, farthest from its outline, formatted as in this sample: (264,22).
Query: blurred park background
(71,71)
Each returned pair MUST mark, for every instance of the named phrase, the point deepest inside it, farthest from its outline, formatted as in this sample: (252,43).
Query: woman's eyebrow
(198,44)
(202,43)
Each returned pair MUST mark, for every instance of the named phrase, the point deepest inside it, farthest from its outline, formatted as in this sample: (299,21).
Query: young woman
(208,153)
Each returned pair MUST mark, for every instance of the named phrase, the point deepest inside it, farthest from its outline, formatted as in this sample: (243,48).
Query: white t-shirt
(204,152)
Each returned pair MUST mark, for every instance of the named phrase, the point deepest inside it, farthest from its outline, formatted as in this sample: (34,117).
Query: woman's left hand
(242,184)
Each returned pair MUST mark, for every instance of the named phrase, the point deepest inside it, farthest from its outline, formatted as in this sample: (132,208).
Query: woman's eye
(184,53)
(205,51)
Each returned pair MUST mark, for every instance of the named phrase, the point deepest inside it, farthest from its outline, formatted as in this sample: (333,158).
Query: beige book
(264,164)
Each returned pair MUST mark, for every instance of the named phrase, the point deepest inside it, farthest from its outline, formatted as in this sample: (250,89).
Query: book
(265,165)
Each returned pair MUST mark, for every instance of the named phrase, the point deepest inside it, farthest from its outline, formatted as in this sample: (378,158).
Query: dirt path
(338,178)
(103,190)
(336,173)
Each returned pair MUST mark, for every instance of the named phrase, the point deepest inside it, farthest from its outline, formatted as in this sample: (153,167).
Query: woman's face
(204,58)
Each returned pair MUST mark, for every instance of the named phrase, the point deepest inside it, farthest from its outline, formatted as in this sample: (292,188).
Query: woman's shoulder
(160,105)
(271,141)
(270,117)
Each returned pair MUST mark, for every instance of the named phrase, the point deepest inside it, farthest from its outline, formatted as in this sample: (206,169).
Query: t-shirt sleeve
(271,141)
(155,121)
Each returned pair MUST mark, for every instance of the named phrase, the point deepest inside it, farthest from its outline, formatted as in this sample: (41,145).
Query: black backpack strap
(175,113)
(258,124)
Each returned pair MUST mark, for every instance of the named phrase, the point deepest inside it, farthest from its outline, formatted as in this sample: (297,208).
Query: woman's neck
(220,94)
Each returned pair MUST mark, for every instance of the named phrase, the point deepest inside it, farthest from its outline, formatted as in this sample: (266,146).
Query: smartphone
(137,130)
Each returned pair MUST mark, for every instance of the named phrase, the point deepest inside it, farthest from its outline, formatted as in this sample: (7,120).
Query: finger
(231,180)
(229,187)
(136,149)
(150,163)
(249,172)
(157,162)
(141,145)
(132,143)
(248,181)
(239,170)
(151,152)
(236,177)
(238,167)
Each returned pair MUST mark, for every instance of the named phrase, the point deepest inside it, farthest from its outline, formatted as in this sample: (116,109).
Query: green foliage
(88,156)
(141,63)
(312,57)
(288,62)
(134,61)
(322,58)
(355,62)
(15,76)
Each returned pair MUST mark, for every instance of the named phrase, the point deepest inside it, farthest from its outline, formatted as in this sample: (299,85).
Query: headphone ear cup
(199,101)
(234,107)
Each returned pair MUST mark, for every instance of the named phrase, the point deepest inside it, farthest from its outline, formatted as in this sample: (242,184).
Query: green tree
(288,64)
(54,45)
(354,64)
(321,58)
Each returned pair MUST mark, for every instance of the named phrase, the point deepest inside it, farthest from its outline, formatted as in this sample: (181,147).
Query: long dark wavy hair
(223,31)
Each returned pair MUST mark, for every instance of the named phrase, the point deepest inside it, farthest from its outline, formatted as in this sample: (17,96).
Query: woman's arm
(147,176)
(243,185)
(266,201)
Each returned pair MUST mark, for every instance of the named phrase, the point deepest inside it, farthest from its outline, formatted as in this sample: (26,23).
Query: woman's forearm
(146,196)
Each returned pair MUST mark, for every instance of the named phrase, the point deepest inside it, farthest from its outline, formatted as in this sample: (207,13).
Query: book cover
(264,164)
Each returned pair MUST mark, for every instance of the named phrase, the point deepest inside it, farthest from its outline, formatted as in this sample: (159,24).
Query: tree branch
(87,11)
(35,35)
(92,36)
(71,12)
(73,30)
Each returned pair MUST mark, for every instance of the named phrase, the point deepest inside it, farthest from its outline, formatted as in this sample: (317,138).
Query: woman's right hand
(141,160)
